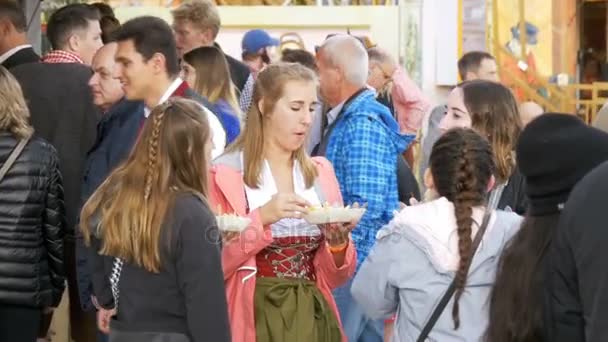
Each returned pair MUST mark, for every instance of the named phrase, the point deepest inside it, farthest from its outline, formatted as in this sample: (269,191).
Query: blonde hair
(203,14)
(14,114)
(131,204)
(270,87)
(213,76)
(383,59)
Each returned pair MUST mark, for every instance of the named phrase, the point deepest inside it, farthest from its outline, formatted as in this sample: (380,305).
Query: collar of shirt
(61,56)
(172,88)
(332,115)
(13,51)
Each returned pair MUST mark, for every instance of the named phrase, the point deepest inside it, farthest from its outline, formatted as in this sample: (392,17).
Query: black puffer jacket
(31,226)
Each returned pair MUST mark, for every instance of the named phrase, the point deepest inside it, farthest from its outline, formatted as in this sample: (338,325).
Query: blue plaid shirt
(363,148)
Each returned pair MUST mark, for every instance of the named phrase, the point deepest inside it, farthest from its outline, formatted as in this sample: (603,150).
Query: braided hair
(462,166)
(170,157)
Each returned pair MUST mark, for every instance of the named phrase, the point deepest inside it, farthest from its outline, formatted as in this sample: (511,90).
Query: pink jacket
(238,256)
(409,102)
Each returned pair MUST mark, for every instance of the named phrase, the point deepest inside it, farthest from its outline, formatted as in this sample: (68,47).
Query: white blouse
(257,198)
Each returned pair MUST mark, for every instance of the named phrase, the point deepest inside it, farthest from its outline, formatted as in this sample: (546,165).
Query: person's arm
(96,169)
(247,244)
(409,102)
(54,231)
(219,134)
(199,275)
(372,287)
(325,265)
(370,163)
(100,267)
(253,239)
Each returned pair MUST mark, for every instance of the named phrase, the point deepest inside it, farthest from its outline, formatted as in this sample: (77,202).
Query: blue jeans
(357,326)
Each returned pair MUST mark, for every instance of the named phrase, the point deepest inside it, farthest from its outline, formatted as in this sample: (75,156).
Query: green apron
(293,310)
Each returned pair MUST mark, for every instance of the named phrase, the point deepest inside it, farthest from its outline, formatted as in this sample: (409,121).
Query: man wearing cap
(258,50)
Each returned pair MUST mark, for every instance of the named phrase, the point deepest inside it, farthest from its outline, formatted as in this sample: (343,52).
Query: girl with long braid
(428,246)
(150,223)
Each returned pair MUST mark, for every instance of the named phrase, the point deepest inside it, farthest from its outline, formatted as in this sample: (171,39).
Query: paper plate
(334,215)
(232,223)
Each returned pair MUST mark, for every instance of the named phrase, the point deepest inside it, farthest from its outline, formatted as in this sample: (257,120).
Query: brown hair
(212,75)
(462,166)
(471,61)
(14,114)
(495,115)
(132,203)
(108,26)
(203,14)
(300,56)
(270,86)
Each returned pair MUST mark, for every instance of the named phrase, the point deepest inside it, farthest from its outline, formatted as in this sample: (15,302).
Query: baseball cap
(255,40)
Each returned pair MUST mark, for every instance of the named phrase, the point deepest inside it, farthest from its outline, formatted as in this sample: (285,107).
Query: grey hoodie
(413,263)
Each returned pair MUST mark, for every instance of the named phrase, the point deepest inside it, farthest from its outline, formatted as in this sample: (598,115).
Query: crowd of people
(122,145)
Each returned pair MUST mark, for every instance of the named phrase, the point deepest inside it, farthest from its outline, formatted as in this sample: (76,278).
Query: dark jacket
(406,182)
(31,226)
(514,195)
(23,56)
(116,135)
(63,113)
(576,290)
(187,297)
(239,72)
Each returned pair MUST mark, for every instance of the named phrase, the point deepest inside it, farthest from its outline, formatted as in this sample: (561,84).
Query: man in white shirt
(14,47)
(147,66)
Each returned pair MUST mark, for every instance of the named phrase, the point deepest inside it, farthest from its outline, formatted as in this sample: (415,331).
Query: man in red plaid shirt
(74,34)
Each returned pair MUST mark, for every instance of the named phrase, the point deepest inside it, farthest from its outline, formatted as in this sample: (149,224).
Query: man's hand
(103,319)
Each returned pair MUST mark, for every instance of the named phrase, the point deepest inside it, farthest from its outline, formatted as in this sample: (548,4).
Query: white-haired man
(362,141)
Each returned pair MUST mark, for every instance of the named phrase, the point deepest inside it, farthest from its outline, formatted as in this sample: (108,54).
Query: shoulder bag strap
(495,196)
(450,291)
(12,157)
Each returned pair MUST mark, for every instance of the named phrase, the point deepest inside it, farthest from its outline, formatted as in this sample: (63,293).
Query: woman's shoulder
(189,204)
(230,159)
(323,165)
(42,145)
(507,223)
(189,214)
(41,151)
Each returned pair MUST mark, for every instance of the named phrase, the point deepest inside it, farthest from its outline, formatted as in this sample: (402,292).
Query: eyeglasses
(385,74)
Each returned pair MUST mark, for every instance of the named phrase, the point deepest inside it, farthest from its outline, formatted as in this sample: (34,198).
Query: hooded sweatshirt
(363,148)
(414,262)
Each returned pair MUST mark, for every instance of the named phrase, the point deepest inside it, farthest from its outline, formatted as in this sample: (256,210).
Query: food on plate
(232,223)
(334,214)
